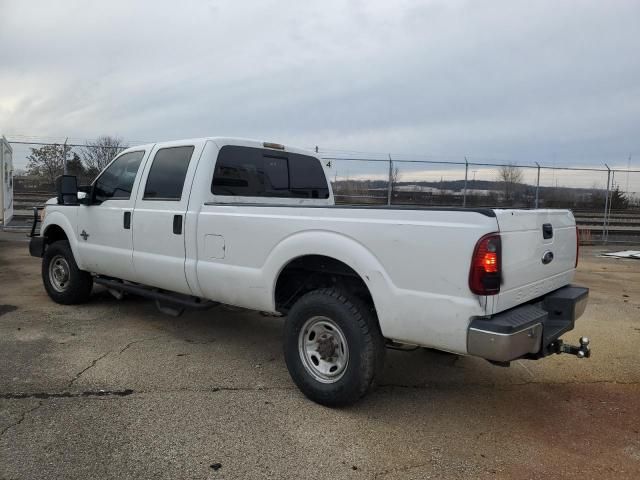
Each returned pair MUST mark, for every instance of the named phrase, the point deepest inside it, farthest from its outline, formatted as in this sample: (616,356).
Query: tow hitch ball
(582,351)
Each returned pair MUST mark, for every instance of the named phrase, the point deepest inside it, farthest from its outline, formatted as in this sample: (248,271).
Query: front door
(105,241)
(159,217)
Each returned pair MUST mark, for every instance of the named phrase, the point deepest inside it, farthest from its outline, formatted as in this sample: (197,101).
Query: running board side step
(167,302)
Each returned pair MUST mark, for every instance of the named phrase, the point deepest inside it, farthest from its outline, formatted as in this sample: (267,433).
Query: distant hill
(458,186)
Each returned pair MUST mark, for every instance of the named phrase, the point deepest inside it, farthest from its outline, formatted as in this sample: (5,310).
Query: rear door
(538,254)
(159,217)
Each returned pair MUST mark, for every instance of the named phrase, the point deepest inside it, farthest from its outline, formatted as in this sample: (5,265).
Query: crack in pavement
(93,364)
(20,420)
(128,391)
(95,361)
(47,395)
(137,341)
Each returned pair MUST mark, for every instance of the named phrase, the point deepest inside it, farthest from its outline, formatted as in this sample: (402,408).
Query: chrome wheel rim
(59,273)
(323,349)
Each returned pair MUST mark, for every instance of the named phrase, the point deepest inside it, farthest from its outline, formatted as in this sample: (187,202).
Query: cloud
(554,82)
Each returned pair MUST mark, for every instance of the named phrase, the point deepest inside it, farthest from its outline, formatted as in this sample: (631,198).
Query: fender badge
(85,235)
(547,257)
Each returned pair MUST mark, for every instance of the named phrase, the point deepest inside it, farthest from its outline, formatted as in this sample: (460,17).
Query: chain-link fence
(605,201)
(47,160)
(34,181)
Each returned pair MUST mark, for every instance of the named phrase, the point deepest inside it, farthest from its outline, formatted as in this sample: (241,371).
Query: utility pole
(538,186)
(628,168)
(466,175)
(64,156)
(390,185)
(606,206)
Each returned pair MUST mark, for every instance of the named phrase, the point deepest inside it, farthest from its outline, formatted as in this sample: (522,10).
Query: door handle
(127,220)
(177,224)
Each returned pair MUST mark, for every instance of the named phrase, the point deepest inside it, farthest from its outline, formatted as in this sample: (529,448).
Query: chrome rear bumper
(503,347)
(528,331)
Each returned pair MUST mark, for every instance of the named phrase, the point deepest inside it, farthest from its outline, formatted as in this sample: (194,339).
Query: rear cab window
(261,172)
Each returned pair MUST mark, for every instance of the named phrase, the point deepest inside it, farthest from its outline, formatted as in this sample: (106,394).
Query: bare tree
(96,154)
(47,162)
(395,175)
(511,176)
(395,178)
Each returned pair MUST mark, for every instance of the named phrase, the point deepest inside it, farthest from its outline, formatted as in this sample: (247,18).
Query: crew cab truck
(196,223)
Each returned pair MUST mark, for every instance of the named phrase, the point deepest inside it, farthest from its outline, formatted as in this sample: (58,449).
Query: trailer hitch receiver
(582,351)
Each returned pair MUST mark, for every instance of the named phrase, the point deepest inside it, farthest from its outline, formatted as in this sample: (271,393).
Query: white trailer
(6,181)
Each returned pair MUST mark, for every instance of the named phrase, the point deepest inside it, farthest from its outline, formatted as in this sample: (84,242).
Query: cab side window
(116,182)
(168,171)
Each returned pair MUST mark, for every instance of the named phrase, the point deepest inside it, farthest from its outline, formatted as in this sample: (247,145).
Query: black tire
(359,328)
(73,285)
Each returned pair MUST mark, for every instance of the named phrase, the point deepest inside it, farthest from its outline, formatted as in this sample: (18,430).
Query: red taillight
(577,246)
(485,274)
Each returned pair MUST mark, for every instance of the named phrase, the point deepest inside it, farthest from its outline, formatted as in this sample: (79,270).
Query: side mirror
(67,190)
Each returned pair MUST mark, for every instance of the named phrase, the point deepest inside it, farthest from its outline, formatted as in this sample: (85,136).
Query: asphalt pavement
(115,389)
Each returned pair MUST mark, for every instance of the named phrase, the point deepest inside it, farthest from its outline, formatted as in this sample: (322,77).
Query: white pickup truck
(197,223)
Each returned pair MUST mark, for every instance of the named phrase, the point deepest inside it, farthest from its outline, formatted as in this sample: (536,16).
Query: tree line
(47,162)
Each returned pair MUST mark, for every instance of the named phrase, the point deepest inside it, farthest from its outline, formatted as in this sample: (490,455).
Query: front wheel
(333,347)
(63,280)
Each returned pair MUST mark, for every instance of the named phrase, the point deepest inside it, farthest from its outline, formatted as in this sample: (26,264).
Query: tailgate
(533,265)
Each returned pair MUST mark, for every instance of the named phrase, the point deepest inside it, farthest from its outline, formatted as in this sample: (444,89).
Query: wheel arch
(309,272)
(54,233)
(339,251)
(57,227)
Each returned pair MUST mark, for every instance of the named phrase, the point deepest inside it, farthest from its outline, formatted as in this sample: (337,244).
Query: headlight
(43,213)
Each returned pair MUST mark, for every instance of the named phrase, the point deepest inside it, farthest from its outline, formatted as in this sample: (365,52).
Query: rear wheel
(333,347)
(63,280)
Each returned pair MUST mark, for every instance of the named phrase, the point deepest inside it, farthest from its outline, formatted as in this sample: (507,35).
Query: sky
(556,82)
